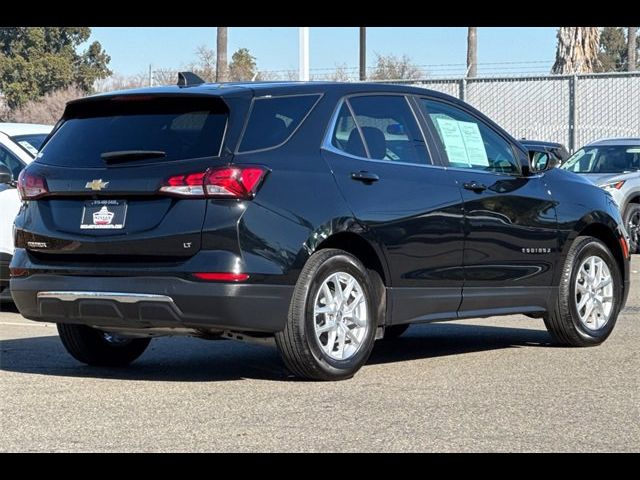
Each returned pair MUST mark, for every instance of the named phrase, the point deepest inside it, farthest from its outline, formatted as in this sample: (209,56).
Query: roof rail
(187,79)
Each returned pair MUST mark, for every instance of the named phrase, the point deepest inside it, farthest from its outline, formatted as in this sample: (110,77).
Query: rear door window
(273,120)
(389,129)
(179,128)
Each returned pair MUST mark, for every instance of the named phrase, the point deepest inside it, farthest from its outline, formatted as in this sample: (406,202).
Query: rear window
(274,119)
(30,143)
(174,128)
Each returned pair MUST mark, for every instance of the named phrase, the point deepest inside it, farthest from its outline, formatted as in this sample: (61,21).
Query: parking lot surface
(477,385)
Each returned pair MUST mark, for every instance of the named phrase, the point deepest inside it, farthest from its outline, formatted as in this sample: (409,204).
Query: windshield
(30,143)
(172,128)
(604,159)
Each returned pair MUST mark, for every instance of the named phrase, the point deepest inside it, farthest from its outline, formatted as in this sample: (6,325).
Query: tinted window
(189,127)
(273,120)
(604,159)
(30,143)
(389,128)
(10,161)
(346,136)
(469,142)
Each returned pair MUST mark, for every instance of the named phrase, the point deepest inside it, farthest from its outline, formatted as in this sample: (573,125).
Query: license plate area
(104,214)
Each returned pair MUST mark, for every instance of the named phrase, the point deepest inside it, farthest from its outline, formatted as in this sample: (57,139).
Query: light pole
(303,57)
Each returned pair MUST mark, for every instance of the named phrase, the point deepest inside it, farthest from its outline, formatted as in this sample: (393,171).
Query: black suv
(325,215)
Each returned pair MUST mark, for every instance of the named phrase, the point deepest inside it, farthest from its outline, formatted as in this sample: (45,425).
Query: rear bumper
(150,302)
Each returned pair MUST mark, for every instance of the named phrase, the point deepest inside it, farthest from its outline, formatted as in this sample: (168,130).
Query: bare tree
(205,65)
(577,50)
(472,52)
(221,57)
(340,74)
(391,67)
(47,109)
(121,82)
(632,48)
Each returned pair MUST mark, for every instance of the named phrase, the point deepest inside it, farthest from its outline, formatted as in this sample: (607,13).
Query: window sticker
(452,139)
(474,144)
(463,142)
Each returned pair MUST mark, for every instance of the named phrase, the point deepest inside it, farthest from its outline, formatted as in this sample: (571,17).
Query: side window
(10,161)
(389,129)
(346,136)
(274,119)
(469,142)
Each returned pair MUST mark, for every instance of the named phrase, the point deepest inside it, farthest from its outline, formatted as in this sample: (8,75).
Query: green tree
(614,49)
(38,60)
(243,66)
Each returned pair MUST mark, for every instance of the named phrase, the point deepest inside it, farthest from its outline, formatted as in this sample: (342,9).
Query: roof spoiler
(187,79)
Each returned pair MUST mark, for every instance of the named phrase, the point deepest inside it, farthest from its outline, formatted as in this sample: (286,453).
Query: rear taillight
(227,182)
(30,186)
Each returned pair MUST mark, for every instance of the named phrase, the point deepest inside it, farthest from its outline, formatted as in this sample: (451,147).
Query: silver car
(614,164)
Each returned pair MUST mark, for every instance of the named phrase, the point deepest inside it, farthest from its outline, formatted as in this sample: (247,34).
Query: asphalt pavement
(477,385)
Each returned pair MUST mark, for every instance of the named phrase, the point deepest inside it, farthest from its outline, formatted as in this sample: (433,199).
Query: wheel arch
(361,248)
(607,236)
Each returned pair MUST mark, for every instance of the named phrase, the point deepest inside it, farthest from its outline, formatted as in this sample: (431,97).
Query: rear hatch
(104,168)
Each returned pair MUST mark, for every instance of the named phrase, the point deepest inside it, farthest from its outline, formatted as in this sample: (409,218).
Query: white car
(19,144)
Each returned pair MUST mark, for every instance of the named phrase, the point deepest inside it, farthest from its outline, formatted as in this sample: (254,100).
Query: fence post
(462,88)
(573,84)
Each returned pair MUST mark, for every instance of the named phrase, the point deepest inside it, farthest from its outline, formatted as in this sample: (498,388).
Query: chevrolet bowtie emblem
(96,184)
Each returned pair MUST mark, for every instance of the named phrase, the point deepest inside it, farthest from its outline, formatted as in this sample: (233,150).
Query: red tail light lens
(227,182)
(31,187)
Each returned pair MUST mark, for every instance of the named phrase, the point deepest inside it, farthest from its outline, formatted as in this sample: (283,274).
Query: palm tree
(632,48)
(577,50)
(472,52)
(221,55)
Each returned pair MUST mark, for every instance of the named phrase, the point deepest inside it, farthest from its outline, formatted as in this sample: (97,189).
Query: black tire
(564,323)
(632,224)
(395,331)
(299,348)
(90,346)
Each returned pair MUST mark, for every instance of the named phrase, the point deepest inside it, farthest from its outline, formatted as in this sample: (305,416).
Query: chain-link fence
(570,109)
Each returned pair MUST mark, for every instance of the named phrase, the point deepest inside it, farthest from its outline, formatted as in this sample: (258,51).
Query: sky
(440,50)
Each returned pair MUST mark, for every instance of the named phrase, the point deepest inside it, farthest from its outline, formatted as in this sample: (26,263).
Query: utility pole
(363,54)
(632,33)
(472,52)
(150,76)
(303,57)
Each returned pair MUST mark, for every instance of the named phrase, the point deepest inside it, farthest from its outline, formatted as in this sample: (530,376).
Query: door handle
(366,177)
(474,186)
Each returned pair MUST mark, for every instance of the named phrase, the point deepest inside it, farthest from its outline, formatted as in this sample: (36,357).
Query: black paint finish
(444,251)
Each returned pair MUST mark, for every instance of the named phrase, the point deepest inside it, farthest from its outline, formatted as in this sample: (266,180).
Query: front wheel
(632,224)
(95,347)
(332,321)
(589,296)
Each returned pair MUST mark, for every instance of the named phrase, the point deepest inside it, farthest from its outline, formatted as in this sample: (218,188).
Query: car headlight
(613,185)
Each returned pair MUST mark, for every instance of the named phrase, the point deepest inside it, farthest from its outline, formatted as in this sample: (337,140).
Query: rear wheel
(632,224)
(589,296)
(95,347)
(332,321)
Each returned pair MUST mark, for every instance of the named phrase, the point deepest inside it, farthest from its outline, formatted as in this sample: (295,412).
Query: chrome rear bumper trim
(115,296)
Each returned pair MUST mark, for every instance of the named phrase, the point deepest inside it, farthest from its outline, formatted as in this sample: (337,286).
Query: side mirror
(5,175)
(541,160)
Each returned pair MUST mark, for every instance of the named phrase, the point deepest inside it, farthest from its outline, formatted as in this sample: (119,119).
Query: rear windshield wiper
(127,155)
